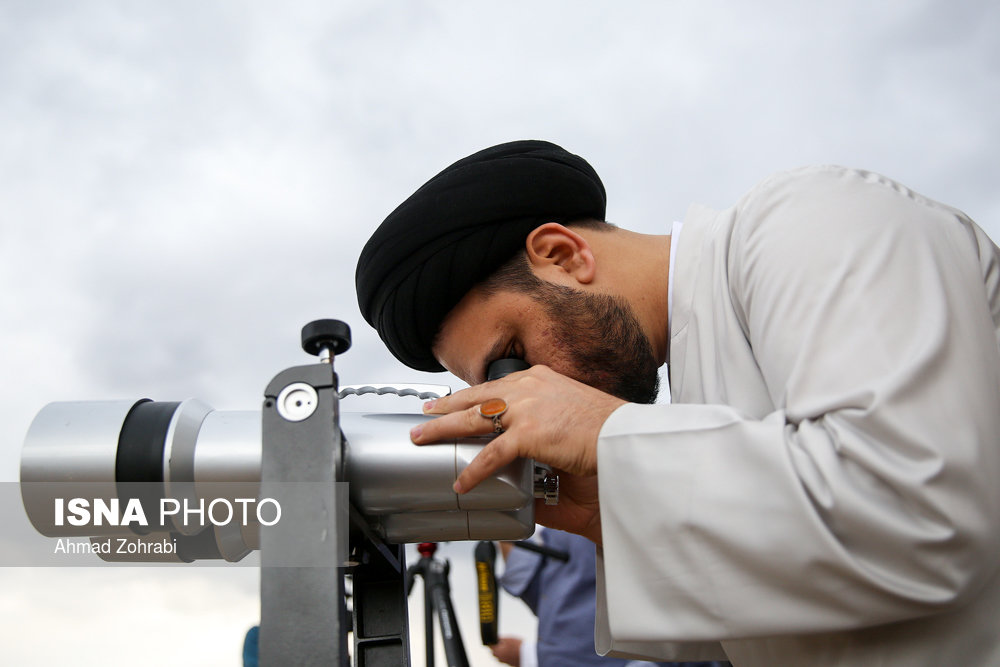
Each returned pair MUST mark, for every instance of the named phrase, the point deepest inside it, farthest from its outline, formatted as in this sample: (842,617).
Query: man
(821,488)
(559,590)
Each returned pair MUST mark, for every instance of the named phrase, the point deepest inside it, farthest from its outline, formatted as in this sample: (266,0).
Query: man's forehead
(472,334)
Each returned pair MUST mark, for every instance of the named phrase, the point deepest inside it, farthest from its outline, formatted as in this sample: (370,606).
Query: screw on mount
(326,338)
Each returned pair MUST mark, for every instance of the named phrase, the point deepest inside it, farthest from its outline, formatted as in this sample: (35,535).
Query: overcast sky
(183,185)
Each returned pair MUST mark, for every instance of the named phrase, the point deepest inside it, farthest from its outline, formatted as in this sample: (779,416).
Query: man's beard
(602,336)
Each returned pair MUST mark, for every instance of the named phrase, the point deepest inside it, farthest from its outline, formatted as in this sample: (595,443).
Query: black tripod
(437,601)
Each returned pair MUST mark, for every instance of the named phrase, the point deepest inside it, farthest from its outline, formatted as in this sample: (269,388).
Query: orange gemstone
(493,407)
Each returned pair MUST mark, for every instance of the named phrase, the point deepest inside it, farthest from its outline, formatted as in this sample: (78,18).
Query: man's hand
(550,418)
(579,508)
(508,651)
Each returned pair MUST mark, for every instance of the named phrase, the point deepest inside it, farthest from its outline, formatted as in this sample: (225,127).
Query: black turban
(457,229)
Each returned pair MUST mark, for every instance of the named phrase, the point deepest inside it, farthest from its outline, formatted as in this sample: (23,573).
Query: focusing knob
(331,335)
(546,484)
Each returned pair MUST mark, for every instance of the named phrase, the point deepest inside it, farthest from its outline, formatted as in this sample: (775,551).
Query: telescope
(321,493)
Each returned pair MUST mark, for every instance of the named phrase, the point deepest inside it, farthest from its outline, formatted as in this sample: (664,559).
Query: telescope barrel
(114,451)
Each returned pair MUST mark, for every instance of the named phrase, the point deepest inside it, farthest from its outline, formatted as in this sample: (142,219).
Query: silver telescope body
(192,453)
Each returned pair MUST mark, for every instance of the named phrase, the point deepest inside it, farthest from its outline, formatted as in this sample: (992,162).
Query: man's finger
(453,425)
(462,399)
(498,453)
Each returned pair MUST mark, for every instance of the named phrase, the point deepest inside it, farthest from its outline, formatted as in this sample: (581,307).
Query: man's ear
(558,254)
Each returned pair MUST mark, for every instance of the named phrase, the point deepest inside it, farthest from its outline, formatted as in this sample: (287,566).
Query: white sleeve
(869,494)
(649,648)
(529,653)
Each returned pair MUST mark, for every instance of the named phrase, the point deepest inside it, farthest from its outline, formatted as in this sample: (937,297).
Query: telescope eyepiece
(504,367)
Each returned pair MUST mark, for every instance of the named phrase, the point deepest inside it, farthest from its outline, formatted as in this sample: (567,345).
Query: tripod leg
(428,623)
(454,649)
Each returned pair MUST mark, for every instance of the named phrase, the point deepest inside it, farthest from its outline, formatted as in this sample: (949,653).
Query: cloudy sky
(183,185)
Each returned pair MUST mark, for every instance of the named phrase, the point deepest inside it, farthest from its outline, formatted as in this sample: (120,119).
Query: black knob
(332,334)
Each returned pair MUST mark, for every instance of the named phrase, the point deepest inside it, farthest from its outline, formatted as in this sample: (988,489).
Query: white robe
(824,488)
